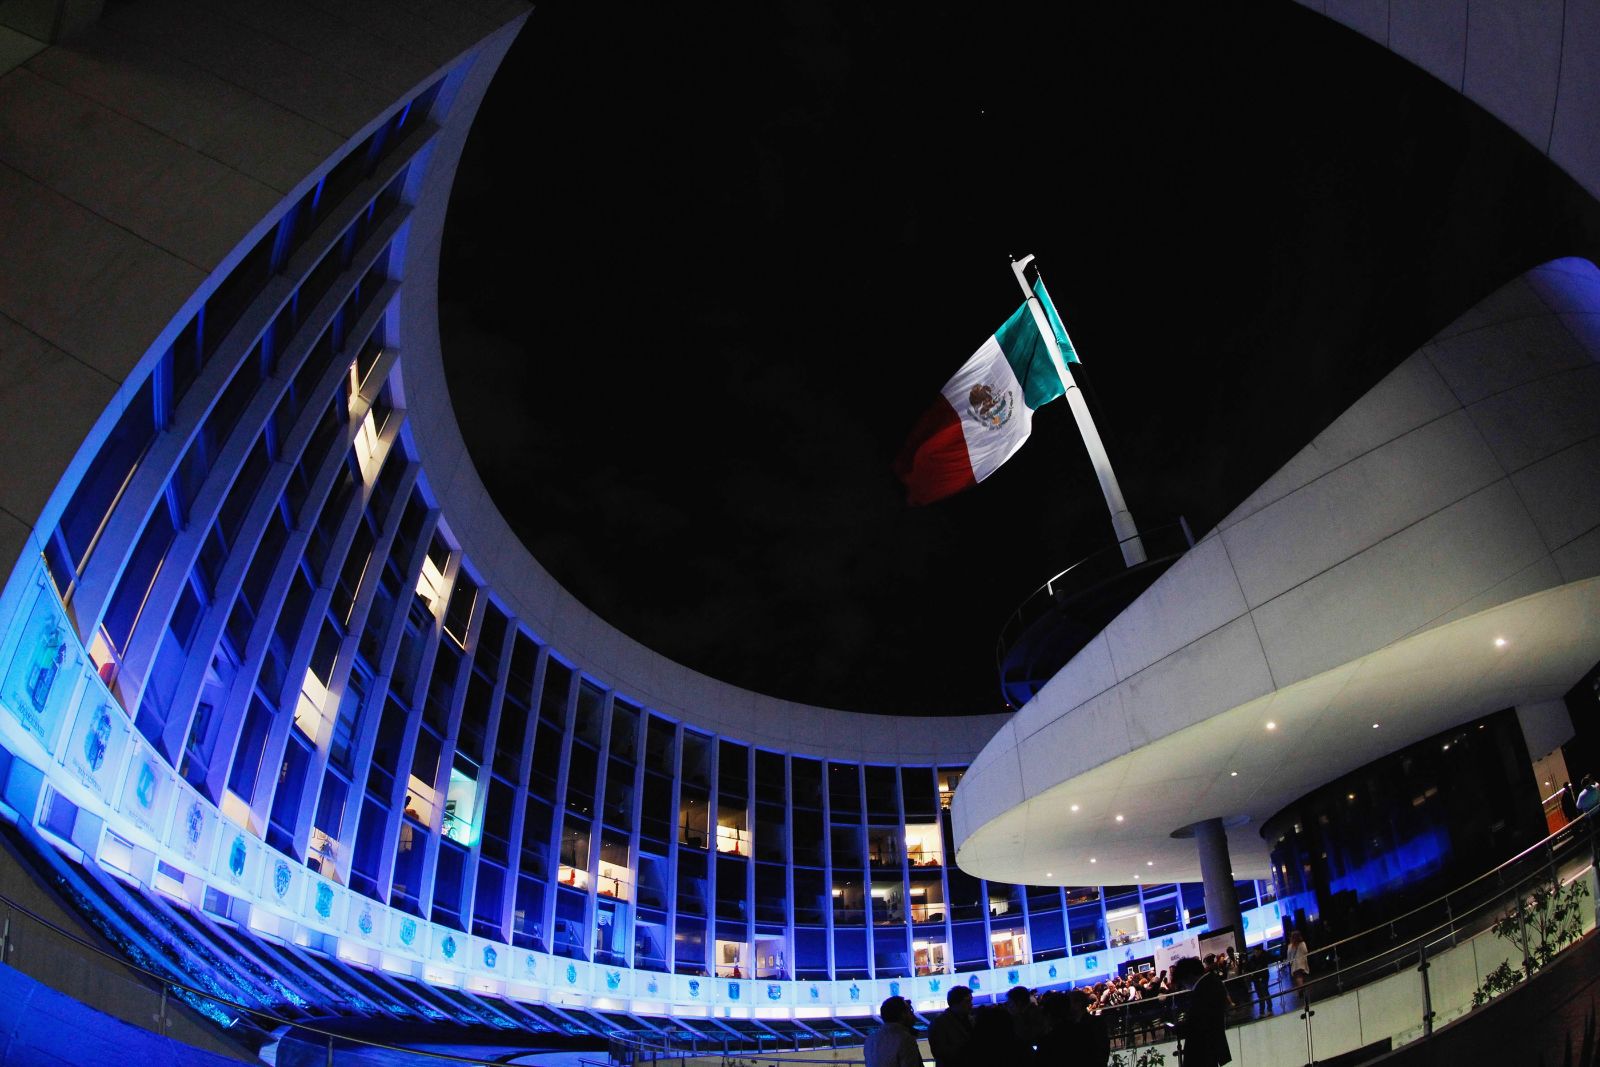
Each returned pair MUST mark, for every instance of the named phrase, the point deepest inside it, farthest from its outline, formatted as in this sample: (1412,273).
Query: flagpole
(1121,518)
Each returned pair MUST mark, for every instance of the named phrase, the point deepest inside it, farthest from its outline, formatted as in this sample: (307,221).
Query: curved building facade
(269,655)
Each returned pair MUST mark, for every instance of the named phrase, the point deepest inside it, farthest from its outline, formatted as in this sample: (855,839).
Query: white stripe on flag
(987,398)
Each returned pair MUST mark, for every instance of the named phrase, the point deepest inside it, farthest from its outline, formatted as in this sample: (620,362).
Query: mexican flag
(985,413)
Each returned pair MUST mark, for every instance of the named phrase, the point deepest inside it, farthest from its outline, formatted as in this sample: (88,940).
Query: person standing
(1025,1015)
(1260,971)
(951,1032)
(1299,959)
(1203,1029)
(893,1044)
(1075,1038)
(995,1041)
(1589,795)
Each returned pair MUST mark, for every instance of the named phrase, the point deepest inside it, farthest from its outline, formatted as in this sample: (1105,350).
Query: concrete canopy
(1455,504)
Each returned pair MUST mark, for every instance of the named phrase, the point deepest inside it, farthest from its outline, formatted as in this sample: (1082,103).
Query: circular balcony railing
(1066,612)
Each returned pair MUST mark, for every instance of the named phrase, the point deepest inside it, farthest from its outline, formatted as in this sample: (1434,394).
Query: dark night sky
(706,263)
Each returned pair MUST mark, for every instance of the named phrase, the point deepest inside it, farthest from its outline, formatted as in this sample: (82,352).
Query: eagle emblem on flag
(992,410)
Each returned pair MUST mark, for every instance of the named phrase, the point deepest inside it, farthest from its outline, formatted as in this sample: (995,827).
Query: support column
(1216,873)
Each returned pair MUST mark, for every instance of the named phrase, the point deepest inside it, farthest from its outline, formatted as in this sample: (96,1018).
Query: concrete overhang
(1455,504)
(1234,767)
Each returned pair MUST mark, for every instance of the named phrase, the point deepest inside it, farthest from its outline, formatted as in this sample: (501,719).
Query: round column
(1216,874)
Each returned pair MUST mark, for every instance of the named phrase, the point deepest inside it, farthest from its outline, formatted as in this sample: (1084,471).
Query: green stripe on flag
(1059,330)
(1025,350)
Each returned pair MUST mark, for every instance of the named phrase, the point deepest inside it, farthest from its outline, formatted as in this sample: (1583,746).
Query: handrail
(1100,570)
(1182,525)
(1410,944)
(1445,897)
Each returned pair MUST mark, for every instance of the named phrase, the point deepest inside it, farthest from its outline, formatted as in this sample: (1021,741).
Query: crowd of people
(1191,1002)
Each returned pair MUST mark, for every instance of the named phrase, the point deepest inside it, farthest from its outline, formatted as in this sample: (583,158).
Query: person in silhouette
(994,1040)
(951,1032)
(1203,1029)
(1075,1038)
(893,1044)
(1259,967)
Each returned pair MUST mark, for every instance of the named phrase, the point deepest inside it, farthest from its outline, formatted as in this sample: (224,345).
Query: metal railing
(1404,947)
(1391,960)
(1085,596)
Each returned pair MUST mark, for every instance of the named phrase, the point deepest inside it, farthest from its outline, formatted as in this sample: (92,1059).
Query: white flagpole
(1121,519)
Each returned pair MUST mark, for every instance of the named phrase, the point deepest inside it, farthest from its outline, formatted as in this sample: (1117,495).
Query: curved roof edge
(580,636)
(1456,503)
(1529,65)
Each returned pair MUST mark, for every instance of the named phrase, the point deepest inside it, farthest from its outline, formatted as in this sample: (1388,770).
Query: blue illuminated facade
(250,670)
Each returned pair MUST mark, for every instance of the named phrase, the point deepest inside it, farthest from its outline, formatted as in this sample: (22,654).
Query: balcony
(1065,613)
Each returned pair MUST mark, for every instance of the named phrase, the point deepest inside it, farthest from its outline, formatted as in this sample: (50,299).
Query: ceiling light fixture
(1499,642)
(1119,818)
(1233,774)
(1272,726)
(1074,807)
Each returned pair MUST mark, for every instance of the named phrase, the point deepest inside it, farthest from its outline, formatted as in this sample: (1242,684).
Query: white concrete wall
(1530,63)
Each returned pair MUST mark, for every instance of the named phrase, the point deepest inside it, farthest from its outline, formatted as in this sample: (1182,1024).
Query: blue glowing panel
(44,668)
(194,828)
(95,745)
(147,791)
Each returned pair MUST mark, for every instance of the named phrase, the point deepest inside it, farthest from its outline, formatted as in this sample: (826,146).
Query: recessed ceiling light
(1119,818)
(1233,774)
(1272,726)
(1093,860)
(1149,863)
(1376,725)
(1049,874)
(1446,748)
(1350,796)
(1074,807)
(1499,642)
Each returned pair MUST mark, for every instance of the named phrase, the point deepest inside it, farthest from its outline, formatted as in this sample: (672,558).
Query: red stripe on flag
(934,462)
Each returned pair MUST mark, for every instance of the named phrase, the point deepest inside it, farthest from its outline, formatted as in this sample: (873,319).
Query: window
(314,712)
(574,869)
(924,845)
(85,514)
(614,875)
(421,796)
(693,818)
(459,614)
(460,803)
